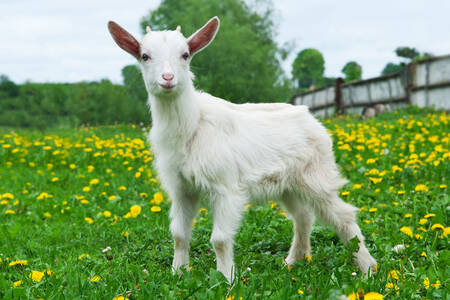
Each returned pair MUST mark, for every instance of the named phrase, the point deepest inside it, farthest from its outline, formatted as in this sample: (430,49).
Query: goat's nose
(167,76)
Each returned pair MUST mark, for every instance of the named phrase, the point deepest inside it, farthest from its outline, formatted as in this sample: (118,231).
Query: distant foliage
(408,54)
(392,68)
(42,105)
(308,68)
(242,64)
(352,71)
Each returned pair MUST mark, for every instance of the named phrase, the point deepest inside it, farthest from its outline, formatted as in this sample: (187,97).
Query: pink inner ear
(124,39)
(203,36)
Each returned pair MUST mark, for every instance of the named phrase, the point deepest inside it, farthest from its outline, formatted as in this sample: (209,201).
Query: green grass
(52,233)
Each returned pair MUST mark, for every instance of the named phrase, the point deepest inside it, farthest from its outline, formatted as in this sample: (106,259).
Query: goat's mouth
(167,86)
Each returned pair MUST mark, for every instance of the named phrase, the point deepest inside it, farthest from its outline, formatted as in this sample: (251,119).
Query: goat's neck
(175,118)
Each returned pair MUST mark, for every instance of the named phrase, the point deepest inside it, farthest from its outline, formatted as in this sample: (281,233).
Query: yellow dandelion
(90,169)
(107,213)
(437,226)
(123,188)
(436,285)
(429,216)
(72,166)
(393,274)
(300,292)
(137,175)
(421,188)
(95,278)
(155,208)
(418,236)
(426,283)
(373,296)
(9,212)
(135,210)
(424,254)
(83,256)
(357,186)
(112,197)
(422,221)
(443,186)
(86,189)
(408,216)
(446,231)
(125,233)
(407,230)
(7,196)
(55,179)
(157,198)
(120,298)
(89,220)
(375,180)
(36,276)
(94,181)
(373,209)
(47,215)
(17,283)
(18,263)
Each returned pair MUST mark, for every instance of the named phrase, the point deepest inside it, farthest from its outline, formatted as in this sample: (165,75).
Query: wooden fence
(424,83)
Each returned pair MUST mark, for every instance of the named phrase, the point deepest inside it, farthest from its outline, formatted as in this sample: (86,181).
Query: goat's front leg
(227,212)
(182,213)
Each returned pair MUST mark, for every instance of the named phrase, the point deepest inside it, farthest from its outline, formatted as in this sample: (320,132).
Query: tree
(392,68)
(132,79)
(407,52)
(352,71)
(243,62)
(308,68)
(7,87)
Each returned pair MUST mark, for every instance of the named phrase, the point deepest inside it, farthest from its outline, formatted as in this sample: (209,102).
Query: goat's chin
(164,92)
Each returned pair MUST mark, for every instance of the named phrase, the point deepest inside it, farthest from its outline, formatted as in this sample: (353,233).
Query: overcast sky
(67,41)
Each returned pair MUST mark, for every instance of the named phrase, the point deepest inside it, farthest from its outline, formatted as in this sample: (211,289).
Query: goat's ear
(124,39)
(203,36)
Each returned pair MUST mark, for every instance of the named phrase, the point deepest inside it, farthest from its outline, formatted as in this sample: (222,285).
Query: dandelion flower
(9,212)
(426,283)
(89,220)
(437,226)
(157,198)
(95,278)
(17,283)
(94,181)
(18,263)
(429,216)
(36,276)
(408,216)
(107,213)
(393,274)
(422,221)
(135,210)
(407,230)
(421,188)
(373,296)
(155,208)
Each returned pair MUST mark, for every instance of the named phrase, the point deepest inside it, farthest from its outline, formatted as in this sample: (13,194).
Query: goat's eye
(185,55)
(145,57)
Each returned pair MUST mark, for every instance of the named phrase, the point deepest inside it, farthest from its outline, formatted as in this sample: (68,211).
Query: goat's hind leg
(303,219)
(342,216)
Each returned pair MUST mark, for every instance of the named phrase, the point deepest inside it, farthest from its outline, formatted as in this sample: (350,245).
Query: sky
(68,41)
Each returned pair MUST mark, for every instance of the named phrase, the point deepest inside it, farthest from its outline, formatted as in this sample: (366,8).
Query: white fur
(234,154)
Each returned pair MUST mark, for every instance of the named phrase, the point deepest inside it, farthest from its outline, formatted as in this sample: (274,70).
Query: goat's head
(164,56)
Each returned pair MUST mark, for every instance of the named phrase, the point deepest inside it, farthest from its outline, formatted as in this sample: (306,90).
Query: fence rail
(423,83)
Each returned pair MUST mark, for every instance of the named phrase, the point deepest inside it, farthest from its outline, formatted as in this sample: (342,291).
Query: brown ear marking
(124,39)
(203,36)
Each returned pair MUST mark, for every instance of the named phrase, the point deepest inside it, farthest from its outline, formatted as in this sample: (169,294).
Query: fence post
(338,103)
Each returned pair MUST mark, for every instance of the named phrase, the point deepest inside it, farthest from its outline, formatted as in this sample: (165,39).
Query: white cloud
(66,41)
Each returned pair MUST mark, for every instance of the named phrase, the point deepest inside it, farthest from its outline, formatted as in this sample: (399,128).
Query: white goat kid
(234,153)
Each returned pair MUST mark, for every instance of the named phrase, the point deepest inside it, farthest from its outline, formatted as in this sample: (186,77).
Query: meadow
(83,216)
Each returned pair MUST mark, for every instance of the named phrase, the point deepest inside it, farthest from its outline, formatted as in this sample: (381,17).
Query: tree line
(242,64)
